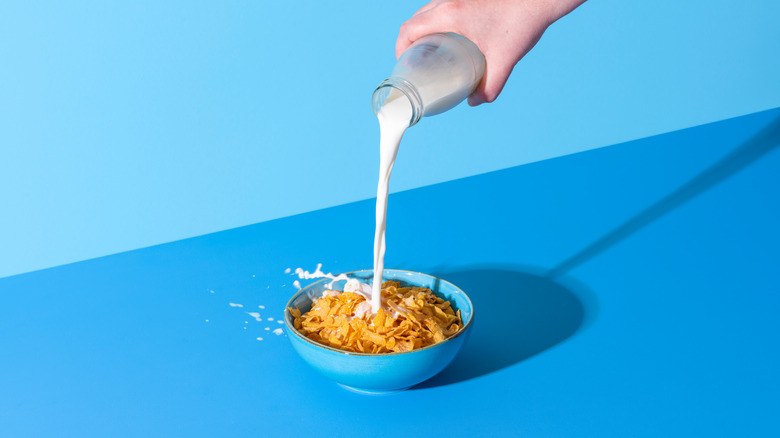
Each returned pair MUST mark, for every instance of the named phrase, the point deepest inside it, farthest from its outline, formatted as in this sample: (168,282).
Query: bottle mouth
(403,86)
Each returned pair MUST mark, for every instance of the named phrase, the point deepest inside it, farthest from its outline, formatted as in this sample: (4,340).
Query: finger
(427,7)
(420,25)
(499,64)
(478,97)
(407,35)
(493,82)
(403,42)
(411,30)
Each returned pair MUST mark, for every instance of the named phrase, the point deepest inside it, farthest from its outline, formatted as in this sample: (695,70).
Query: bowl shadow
(517,315)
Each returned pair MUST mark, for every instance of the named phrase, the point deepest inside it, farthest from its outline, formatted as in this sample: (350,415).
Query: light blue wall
(131,124)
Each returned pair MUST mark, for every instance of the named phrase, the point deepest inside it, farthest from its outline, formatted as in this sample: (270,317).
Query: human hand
(504,30)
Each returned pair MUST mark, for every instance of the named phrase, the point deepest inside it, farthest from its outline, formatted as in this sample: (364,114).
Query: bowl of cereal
(422,324)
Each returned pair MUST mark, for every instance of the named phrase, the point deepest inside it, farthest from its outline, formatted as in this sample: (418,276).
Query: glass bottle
(437,72)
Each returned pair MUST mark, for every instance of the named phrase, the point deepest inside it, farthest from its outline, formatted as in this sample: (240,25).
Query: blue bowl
(388,372)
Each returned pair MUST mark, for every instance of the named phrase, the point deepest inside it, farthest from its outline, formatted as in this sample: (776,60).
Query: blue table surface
(625,291)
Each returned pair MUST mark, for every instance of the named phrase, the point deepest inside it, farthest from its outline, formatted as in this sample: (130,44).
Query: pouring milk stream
(434,74)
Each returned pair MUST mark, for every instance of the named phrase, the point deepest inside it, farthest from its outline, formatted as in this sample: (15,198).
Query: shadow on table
(744,154)
(518,314)
(547,307)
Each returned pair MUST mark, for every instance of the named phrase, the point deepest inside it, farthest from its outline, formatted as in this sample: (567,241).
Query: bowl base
(372,391)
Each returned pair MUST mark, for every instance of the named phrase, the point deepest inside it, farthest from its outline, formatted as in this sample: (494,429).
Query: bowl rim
(290,328)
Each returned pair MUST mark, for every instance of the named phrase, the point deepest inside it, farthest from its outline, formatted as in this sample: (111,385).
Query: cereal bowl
(385,372)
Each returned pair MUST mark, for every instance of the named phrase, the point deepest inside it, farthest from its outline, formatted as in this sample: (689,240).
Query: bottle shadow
(519,314)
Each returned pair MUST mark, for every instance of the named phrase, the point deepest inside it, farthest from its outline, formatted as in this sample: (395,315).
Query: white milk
(393,118)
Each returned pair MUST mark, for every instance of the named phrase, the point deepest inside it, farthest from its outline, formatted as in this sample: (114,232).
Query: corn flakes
(410,318)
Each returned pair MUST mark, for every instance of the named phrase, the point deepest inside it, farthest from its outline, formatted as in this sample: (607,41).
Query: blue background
(128,124)
(619,196)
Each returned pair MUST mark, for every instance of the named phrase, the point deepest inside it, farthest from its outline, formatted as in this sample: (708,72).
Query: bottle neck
(402,87)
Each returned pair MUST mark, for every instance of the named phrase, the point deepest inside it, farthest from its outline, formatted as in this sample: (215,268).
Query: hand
(504,30)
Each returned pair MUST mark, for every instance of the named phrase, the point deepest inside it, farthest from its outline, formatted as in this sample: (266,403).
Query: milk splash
(306,275)
(393,118)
